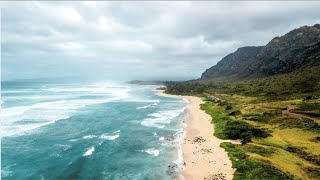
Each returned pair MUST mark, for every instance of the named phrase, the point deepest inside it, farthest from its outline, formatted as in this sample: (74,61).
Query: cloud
(199,45)
(69,14)
(90,3)
(152,40)
(129,46)
(70,46)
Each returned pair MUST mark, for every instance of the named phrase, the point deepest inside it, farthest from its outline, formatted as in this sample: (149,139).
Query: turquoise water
(103,130)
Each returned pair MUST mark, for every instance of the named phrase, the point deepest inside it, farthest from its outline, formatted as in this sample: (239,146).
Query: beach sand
(202,154)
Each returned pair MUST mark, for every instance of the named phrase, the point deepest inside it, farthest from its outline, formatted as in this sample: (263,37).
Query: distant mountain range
(297,50)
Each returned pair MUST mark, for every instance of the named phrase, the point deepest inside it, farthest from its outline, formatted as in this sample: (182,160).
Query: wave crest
(160,118)
(103,136)
(151,151)
(89,152)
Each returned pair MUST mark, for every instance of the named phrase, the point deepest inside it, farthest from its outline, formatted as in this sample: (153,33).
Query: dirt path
(295,115)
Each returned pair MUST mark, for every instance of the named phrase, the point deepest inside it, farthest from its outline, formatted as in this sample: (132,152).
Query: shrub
(228,107)
(313,173)
(222,103)
(309,106)
(260,133)
(309,125)
(316,139)
(303,154)
(255,117)
(235,113)
(234,129)
(245,137)
(272,113)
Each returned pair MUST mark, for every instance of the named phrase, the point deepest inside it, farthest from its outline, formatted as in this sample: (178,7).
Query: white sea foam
(89,136)
(13,112)
(142,100)
(186,100)
(10,130)
(117,131)
(147,106)
(98,88)
(16,91)
(60,104)
(161,138)
(151,151)
(151,124)
(179,161)
(84,89)
(179,138)
(63,106)
(5,173)
(103,136)
(89,152)
(160,118)
(179,135)
(50,97)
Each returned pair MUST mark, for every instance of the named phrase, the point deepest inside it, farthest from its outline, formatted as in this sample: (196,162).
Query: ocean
(100,130)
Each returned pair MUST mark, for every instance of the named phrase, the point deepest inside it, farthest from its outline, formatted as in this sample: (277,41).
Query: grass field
(274,145)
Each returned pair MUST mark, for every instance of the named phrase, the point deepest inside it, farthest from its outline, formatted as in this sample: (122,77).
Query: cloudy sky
(137,40)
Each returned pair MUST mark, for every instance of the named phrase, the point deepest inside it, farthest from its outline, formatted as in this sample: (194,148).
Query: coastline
(201,151)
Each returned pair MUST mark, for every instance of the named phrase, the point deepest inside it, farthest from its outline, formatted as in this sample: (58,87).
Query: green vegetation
(306,124)
(263,151)
(304,154)
(304,83)
(248,168)
(226,127)
(274,143)
(184,88)
(309,108)
(284,146)
(269,98)
(255,117)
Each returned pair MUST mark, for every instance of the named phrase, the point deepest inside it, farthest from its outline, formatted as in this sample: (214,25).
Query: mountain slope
(297,49)
(233,63)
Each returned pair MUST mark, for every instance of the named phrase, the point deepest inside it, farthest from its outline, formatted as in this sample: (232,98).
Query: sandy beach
(202,154)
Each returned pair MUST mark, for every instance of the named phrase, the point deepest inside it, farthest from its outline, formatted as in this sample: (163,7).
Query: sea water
(102,130)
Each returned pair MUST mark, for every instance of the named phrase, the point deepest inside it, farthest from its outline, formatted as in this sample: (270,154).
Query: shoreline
(202,155)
